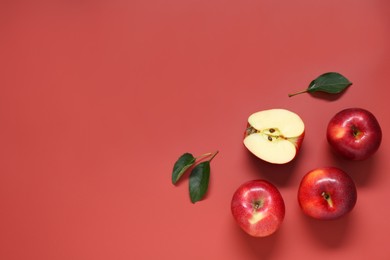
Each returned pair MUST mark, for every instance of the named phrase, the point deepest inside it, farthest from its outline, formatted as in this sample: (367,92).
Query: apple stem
(355,131)
(297,93)
(326,196)
(257,205)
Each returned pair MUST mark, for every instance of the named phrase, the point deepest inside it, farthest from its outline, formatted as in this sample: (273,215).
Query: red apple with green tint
(327,193)
(258,208)
(354,133)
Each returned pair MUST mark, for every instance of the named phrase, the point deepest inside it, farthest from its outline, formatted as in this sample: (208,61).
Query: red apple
(274,135)
(258,208)
(327,193)
(354,133)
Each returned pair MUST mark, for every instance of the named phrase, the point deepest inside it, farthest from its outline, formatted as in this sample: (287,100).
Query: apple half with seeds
(274,135)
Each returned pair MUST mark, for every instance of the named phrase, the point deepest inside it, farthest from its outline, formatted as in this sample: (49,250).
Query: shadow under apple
(329,233)
(278,174)
(262,247)
(362,172)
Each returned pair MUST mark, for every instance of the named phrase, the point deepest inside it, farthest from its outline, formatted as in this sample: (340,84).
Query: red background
(99,98)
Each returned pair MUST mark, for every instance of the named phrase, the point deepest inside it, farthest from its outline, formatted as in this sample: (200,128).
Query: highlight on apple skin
(354,134)
(258,208)
(274,135)
(327,193)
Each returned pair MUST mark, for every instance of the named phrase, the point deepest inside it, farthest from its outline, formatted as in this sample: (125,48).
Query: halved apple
(274,135)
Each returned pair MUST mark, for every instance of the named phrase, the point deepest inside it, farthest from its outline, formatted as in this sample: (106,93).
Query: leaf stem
(203,156)
(300,92)
(212,157)
(207,155)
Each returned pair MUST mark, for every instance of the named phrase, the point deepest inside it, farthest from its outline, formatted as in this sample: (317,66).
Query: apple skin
(258,208)
(327,193)
(354,133)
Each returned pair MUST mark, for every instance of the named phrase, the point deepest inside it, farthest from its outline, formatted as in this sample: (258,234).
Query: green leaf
(331,82)
(181,165)
(199,181)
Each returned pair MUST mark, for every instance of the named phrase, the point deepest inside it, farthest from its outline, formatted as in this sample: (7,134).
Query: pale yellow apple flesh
(274,135)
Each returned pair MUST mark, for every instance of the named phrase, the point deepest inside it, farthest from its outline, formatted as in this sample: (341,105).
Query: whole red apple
(258,208)
(354,133)
(327,193)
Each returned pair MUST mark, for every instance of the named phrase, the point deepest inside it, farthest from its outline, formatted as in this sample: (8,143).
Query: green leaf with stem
(331,82)
(199,180)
